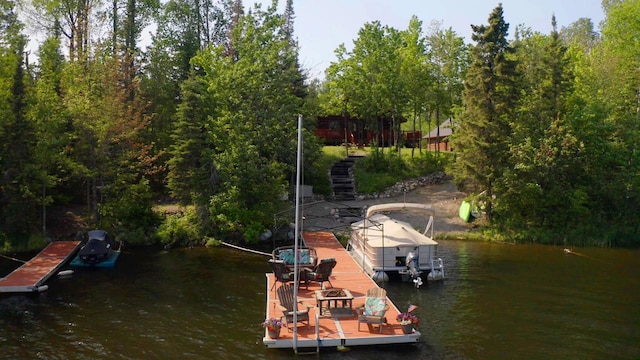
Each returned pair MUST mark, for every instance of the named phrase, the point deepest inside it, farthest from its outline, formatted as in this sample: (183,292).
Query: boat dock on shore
(339,328)
(31,276)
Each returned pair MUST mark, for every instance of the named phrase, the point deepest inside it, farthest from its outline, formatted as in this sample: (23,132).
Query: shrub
(180,229)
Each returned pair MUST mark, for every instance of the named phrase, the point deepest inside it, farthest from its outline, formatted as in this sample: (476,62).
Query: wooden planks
(33,274)
(337,330)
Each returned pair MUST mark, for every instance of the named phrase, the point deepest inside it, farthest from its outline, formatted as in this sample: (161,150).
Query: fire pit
(339,302)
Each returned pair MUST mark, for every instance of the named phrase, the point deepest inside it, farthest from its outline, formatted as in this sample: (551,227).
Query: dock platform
(339,329)
(34,273)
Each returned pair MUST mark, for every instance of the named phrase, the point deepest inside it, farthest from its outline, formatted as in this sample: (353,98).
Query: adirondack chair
(321,272)
(290,306)
(374,308)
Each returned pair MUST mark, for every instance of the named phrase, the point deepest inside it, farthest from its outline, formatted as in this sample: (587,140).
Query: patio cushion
(375,306)
(304,257)
(286,256)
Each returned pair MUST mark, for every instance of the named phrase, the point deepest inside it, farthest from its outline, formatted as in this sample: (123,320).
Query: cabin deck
(340,329)
(32,274)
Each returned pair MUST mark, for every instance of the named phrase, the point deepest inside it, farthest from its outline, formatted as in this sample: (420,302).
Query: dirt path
(444,197)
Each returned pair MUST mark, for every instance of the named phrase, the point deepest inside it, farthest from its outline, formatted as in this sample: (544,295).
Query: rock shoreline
(401,187)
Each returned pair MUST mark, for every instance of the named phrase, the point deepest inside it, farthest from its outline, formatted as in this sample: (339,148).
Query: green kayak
(465,211)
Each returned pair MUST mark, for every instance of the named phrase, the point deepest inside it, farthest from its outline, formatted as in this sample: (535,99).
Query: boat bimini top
(382,230)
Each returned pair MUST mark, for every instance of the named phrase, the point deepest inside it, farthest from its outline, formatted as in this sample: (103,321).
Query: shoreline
(443,196)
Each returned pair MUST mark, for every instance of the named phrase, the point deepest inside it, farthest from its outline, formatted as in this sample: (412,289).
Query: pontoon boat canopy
(395,232)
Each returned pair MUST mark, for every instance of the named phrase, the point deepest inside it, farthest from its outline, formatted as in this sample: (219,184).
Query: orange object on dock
(334,328)
(32,275)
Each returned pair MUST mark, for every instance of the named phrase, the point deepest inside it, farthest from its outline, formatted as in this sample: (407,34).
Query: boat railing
(405,206)
(437,269)
(429,227)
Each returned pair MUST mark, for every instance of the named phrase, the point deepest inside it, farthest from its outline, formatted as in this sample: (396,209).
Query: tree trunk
(44,210)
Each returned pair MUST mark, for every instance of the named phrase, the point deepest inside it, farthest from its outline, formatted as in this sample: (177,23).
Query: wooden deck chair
(290,306)
(374,308)
(321,273)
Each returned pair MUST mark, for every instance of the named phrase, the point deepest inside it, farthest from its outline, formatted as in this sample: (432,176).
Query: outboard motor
(414,272)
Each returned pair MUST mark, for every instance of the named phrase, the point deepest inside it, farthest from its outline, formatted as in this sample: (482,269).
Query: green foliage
(128,208)
(209,241)
(563,166)
(581,33)
(483,136)
(180,229)
(541,192)
(367,83)
(191,176)
(245,149)
(33,242)
(19,183)
(317,175)
(36,241)
(177,40)
(250,195)
(378,171)
(428,162)
(379,161)
(5,244)
(449,60)
(547,134)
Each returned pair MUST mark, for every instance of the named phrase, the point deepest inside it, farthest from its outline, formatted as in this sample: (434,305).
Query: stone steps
(342,181)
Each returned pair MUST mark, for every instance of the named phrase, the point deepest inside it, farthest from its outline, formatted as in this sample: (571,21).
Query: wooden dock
(334,331)
(34,273)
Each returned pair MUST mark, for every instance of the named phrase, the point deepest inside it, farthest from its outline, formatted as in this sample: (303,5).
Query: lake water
(498,301)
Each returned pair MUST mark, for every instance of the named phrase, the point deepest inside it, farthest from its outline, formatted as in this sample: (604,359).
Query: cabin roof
(446,129)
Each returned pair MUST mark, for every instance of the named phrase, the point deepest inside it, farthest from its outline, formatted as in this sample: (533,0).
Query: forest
(546,126)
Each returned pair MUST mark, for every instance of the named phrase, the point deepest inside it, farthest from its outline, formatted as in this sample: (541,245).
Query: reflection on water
(498,301)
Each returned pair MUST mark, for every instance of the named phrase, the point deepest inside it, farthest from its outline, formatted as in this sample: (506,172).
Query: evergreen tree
(18,184)
(52,126)
(192,177)
(250,136)
(289,17)
(483,137)
(183,29)
(168,65)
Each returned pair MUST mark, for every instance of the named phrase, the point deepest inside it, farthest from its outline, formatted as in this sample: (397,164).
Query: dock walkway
(32,275)
(333,331)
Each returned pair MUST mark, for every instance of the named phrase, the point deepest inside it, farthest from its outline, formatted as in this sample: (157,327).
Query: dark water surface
(498,302)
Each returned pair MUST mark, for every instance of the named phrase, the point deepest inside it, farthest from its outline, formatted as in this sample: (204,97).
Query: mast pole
(296,272)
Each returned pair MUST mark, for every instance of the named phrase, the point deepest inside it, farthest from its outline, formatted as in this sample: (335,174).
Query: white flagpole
(296,273)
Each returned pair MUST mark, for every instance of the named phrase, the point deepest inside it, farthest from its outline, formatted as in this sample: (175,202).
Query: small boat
(385,247)
(99,250)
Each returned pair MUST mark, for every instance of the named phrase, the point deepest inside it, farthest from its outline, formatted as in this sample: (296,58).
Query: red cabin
(336,130)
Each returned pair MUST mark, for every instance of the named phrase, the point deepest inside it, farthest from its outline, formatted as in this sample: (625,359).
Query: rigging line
(11,258)
(245,249)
